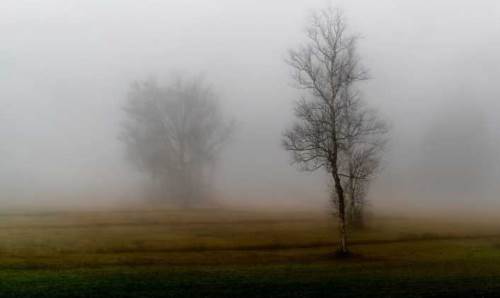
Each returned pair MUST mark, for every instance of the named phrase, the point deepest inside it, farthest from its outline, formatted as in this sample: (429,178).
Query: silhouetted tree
(332,130)
(175,134)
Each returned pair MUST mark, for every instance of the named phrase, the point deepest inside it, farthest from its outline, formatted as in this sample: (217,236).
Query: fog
(66,66)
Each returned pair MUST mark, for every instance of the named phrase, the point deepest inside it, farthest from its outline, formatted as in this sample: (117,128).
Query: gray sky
(65,67)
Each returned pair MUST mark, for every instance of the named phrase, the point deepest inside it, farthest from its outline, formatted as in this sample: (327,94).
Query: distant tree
(175,133)
(333,130)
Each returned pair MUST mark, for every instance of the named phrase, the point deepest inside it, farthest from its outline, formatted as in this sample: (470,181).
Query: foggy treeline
(69,102)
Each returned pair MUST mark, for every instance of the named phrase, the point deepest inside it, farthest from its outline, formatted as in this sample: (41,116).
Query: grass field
(231,253)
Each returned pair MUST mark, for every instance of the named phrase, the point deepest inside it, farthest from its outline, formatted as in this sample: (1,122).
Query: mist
(66,66)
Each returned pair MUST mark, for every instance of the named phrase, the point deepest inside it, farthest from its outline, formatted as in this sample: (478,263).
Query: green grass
(230,253)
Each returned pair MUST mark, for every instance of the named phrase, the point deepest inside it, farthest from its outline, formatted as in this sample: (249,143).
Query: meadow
(231,253)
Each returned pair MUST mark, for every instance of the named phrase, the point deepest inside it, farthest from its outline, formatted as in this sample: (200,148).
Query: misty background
(66,66)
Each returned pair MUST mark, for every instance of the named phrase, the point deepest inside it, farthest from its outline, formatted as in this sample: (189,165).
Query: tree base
(340,254)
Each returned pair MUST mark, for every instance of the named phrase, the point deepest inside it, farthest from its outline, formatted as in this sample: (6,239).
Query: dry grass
(202,236)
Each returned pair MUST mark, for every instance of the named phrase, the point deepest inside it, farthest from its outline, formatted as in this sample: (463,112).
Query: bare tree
(332,130)
(175,134)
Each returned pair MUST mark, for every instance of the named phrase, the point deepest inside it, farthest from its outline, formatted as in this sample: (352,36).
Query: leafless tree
(333,130)
(175,134)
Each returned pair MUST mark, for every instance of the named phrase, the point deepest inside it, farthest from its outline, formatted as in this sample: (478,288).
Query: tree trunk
(352,209)
(352,202)
(341,209)
(343,232)
(338,187)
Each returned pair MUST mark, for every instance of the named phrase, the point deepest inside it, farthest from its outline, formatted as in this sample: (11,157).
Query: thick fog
(66,67)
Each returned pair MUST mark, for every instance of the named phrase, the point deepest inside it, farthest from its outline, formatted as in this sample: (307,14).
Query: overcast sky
(65,68)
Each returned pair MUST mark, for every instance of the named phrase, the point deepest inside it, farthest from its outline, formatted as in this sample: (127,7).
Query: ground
(236,253)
